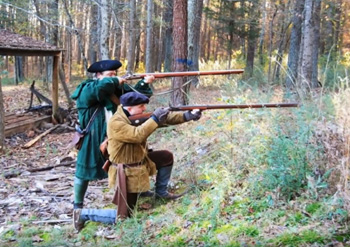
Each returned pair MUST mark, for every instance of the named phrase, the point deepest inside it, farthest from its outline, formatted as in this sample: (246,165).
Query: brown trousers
(161,158)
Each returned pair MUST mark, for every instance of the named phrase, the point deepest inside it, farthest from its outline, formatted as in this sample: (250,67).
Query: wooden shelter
(12,44)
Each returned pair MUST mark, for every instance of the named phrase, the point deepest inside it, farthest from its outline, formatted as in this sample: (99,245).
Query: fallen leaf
(145,206)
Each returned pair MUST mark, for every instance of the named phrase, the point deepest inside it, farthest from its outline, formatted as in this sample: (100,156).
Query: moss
(295,239)
(313,207)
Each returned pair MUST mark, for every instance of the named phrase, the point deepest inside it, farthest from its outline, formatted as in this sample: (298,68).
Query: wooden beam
(55,116)
(23,52)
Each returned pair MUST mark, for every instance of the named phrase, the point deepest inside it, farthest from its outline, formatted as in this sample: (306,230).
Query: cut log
(32,142)
(52,221)
(67,163)
(16,173)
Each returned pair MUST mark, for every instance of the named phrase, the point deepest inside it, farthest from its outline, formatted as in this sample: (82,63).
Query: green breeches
(80,188)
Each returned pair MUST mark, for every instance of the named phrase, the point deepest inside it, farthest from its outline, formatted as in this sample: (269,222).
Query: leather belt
(132,165)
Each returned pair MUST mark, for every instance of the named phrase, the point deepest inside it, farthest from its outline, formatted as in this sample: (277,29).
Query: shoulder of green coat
(75,95)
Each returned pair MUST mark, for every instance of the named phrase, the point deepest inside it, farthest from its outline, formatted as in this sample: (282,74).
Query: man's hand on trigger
(149,79)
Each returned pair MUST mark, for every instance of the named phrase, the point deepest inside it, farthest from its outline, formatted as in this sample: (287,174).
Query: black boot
(162,180)
(147,193)
(78,205)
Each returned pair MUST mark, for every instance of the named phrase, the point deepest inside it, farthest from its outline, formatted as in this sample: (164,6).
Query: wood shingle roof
(20,45)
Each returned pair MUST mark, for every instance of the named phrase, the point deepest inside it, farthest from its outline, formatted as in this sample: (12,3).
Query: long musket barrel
(141,118)
(211,107)
(185,73)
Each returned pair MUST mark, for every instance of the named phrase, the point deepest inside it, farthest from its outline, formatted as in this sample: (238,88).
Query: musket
(138,119)
(184,73)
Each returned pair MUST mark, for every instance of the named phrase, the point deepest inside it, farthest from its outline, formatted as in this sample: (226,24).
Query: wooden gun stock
(106,166)
(141,118)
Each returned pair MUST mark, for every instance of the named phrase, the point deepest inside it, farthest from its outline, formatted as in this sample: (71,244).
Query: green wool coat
(127,145)
(89,95)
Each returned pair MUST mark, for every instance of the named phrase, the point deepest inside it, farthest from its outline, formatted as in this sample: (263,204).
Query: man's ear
(128,108)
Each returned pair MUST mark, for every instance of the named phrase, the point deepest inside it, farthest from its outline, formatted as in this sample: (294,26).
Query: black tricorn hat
(133,98)
(104,65)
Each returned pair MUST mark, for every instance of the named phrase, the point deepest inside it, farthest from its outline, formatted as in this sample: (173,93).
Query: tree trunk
(262,34)
(204,34)
(168,43)
(51,36)
(2,121)
(41,35)
(294,47)
(214,40)
(316,43)
(230,25)
(285,23)
(104,31)
(270,43)
(208,43)
(250,57)
(117,45)
(149,41)
(93,40)
(252,39)
(280,52)
(180,91)
(156,43)
(195,8)
(137,52)
(131,48)
(19,69)
(308,39)
(329,30)
(111,36)
(337,20)
(142,35)
(123,45)
(80,44)
(161,40)
(68,57)
(139,30)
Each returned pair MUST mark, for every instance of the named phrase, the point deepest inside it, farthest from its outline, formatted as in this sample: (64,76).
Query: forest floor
(37,182)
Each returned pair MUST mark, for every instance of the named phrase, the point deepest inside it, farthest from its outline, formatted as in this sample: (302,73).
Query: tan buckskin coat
(127,144)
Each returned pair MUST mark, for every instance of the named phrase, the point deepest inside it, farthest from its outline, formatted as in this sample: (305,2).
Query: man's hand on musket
(121,80)
(194,115)
(149,79)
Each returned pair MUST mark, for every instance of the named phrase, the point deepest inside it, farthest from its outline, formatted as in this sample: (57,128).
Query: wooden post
(2,121)
(55,117)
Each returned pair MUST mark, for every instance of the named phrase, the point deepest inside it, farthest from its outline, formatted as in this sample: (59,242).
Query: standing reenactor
(101,95)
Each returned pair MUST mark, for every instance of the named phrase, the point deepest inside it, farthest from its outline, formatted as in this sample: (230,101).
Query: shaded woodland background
(293,41)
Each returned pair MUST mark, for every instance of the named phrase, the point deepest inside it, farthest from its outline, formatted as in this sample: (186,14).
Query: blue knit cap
(133,98)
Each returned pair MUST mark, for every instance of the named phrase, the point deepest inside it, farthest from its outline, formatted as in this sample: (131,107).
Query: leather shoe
(170,196)
(147,194)
(77,222)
